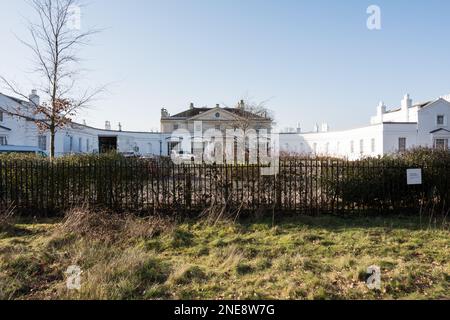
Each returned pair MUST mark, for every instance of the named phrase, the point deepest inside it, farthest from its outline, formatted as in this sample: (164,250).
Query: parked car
(131,154)
(183,157)
(23,150)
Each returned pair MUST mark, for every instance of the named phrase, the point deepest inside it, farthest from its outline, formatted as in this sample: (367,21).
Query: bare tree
(249,116)
(252,115)
(54,46)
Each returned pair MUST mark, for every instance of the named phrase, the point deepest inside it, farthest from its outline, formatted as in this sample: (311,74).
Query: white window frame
(445,140)
(3,140)
(352,147)
(373,145)
(361,146)
(400,149)
(444,120)
(41,139)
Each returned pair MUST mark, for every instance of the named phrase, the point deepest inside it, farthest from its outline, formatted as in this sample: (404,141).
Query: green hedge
(382,182)
(306,185)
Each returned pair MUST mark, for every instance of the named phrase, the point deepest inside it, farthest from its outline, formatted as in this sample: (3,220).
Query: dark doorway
(107,144)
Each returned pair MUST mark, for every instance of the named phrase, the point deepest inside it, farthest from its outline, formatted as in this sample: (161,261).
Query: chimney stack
(164,113)
(381,110)
(120,126)
(107,125)
(191,106)
(316,128)
(406,104)
(34,98)
(299,129)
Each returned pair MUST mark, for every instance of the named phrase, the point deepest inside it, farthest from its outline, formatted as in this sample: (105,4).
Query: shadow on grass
(22,227)
(10,231)
(337,223)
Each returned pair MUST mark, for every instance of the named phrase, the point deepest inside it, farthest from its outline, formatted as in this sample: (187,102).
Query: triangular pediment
(440,130)
(218,114)
(439,101)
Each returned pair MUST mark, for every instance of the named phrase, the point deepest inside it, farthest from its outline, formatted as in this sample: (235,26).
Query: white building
(75,138)
(390,131)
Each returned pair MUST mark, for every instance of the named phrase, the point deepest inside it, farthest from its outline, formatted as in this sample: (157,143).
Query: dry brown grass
(6,217)
(129,257)
(110,227)
(7,221)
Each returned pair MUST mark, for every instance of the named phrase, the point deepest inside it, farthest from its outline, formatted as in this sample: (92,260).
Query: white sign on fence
(414,176)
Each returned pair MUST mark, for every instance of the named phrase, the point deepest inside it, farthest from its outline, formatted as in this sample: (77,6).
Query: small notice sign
(414,176)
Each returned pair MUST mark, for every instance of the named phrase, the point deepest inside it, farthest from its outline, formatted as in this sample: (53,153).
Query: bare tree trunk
(52,142)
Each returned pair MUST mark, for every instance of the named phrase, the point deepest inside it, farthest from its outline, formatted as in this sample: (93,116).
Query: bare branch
(54,47)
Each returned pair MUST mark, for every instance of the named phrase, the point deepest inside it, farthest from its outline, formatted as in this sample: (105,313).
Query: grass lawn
(298,258)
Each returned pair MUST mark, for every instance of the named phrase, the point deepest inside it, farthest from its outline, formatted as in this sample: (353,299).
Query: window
(440,120)
(1,116)
(3,141)
(150,148)
(315,147)
(217,115)
(42,142)
(338,146)
(372,145)
(401,144)
(175,127)
(80,144)
(218,127)
(352,147)
(327,148)
(70,143)
(441,144)
(88,147)
(361,146)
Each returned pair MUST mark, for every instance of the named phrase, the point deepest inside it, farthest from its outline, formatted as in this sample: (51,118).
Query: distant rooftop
(192,112)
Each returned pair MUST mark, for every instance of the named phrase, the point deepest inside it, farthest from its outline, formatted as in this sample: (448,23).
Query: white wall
(393,131)
(26,133)
(427,121)
(336,143)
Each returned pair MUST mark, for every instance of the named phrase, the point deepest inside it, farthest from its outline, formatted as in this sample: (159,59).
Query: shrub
(381,183)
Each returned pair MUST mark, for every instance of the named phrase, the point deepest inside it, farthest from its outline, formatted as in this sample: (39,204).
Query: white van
(23,150)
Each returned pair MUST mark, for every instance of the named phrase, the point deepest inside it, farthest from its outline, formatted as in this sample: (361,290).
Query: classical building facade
(196,122)
(389,131)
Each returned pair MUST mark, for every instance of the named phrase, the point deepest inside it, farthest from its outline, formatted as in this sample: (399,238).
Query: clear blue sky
(315,60)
